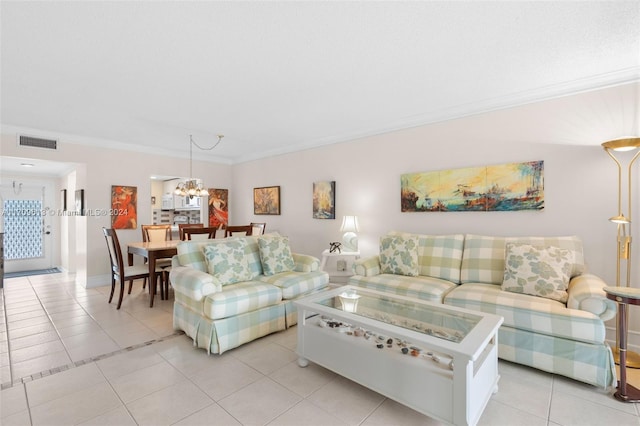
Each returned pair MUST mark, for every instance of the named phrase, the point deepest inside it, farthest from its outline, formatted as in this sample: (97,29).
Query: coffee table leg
(303,362)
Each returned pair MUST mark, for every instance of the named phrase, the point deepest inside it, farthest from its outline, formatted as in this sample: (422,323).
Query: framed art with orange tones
(124,203)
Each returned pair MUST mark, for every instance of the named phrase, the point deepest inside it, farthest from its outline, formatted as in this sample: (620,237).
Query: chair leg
(113,287)
(121,292)
(166,285)
(144,283)
(130,286)
(160,280)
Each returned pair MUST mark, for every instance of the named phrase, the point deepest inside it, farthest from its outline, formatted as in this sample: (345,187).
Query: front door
(27,214)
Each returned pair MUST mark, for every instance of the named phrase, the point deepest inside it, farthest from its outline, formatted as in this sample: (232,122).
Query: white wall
(580,179)
(97,171)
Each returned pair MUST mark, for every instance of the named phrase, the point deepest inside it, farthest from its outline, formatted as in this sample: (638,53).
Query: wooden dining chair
(120,272)
(204,233)
(156,232)
(181,227)
(257,228)
(238,230)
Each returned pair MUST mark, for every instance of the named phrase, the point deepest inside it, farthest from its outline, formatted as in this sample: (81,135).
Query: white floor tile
(145,381)
(347,400)
(569,410)
(208,416)
(260,402)
(169,405)
(259,383)
(306,414)
(77,407)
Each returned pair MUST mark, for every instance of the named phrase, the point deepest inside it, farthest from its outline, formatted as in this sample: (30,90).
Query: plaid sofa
(467,271)
(221,317)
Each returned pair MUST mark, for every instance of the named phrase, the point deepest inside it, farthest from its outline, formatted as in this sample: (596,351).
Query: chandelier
(193,188)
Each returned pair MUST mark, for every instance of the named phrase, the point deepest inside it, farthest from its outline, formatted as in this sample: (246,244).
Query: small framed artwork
(266,200)
(124,207)
(80,202)
(63,200)
(324,200)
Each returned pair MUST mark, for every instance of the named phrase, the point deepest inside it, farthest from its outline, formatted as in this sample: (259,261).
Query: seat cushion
(293,284)
(420,287)
(530,313)
(239,298)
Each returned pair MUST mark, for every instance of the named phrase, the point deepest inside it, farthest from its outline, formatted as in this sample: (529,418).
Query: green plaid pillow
(399,255)
(275,254)
(227,262)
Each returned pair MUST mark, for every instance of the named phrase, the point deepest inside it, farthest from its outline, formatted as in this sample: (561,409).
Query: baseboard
(633,339)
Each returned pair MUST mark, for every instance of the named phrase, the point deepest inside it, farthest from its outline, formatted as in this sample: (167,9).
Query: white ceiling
(275,77)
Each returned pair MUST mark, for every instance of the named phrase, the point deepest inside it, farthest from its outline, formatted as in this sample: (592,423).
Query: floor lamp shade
(349,227)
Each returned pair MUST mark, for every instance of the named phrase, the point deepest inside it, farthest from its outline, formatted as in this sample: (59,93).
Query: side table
(338,275)
(624,296)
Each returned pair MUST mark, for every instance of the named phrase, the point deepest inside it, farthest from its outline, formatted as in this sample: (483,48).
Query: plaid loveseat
(219,316)
(566,338)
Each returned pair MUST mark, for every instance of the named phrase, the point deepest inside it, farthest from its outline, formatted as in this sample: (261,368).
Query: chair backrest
(153,233)
(257,228)
(181,227)
(199,233)
(115,252)
(241,230)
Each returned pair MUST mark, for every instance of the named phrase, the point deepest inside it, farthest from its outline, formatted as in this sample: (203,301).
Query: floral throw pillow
(227,262)
(538,271)
(399,255)
(275,254)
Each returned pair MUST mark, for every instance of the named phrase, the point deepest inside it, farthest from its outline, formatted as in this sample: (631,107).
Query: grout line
(80,363)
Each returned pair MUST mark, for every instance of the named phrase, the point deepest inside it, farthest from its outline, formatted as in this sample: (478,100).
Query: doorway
(28,213)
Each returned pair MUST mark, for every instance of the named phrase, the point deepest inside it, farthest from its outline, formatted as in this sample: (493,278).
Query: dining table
(152,251)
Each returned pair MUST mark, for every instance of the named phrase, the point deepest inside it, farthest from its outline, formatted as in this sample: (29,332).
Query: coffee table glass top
(423,318)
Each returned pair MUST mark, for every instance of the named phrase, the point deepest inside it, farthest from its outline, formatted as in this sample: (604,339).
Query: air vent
(37,142)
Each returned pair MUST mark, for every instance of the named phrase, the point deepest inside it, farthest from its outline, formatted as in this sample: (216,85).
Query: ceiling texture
(276,77)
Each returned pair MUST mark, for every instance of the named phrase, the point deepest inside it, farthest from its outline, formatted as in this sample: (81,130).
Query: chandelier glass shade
(194,187)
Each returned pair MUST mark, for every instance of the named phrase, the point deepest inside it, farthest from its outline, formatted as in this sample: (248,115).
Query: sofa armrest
(367,267)
(586,293)
(305,263)
(193,283)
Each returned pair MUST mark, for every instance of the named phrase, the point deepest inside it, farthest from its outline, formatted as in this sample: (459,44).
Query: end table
(624,296)
(335,275)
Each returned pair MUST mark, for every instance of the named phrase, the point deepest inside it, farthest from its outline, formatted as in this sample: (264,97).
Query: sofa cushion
(239,298)
(525,312)
(538,271)
(483,257)
(439,256)
(399,255)
(420,287)
(228,262)
(275,254)
(293,284)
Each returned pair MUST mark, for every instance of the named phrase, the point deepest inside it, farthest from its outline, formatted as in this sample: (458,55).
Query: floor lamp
(623,223)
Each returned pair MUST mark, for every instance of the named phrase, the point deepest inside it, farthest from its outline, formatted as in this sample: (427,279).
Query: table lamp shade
(350,227)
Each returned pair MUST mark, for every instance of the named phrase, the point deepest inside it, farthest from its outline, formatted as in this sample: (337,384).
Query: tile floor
(68,357)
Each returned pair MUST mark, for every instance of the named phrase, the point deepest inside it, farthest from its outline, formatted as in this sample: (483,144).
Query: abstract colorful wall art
(124,207)
(505,187)
(218,208)
(324,200)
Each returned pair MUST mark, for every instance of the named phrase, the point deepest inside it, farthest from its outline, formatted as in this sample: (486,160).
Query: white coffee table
(439,360)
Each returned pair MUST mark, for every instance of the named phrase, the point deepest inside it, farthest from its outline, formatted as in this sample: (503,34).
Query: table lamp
(349,227)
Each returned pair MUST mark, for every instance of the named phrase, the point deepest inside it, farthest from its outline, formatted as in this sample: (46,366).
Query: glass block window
(22,229)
